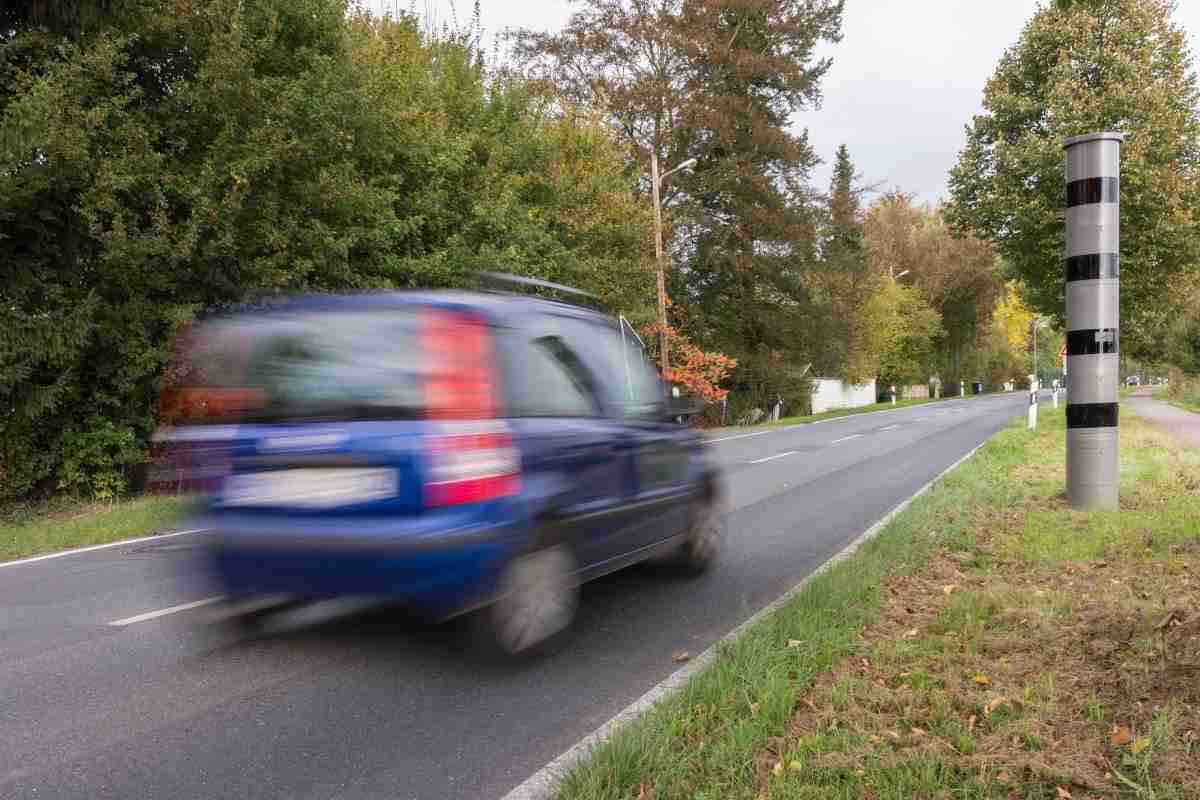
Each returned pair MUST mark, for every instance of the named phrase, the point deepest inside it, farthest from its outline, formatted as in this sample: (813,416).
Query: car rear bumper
(435,574)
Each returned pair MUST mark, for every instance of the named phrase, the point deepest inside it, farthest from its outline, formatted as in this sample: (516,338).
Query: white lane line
(847,438)
(90,548)
(772,458)
(889,428)
(162,612)
(543,784)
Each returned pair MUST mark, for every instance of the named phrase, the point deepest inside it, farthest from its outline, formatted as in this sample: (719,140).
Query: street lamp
(1037,323)
(656,183)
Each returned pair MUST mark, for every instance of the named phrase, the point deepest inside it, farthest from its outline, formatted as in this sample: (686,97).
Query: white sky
(906,77)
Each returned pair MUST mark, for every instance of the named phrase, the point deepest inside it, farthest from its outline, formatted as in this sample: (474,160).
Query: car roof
(501,308)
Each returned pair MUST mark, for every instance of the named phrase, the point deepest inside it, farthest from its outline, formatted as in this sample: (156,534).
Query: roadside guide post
(1092,272)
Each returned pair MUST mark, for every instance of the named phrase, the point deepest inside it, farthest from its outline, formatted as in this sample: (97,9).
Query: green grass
(727,735)
(702,742)
(63,524)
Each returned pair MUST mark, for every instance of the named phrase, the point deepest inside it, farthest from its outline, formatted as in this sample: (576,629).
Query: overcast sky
(906,77)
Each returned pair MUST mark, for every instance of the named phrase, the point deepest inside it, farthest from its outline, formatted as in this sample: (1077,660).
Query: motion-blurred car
(1133,380)
(451,451)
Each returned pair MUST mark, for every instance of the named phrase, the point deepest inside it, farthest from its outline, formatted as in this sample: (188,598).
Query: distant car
(1133,380)
(452,451)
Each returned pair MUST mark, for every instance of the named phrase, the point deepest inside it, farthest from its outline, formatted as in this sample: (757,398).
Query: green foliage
(96,458)
(1077,68)
(912,327)
(168,157)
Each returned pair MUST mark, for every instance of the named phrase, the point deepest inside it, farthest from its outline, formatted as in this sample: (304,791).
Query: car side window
(547,379)
(630,383)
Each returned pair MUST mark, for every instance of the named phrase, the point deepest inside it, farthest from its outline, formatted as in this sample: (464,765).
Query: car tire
(537,597)
(704,537)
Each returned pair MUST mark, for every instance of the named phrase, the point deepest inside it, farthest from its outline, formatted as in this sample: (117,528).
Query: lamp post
(656,181)
(1037,323)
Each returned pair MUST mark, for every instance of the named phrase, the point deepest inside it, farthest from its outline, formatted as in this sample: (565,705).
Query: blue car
(450,451)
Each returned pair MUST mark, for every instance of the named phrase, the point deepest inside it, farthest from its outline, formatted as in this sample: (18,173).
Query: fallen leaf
(866,663)
(917,731)
(994,704)
(912,634)
(681,656)
(754,708)
(794,642)
(1140,745)
(778,768)
(971,723)
(1062,793)
(983,680)
(949,589)
(645,792)
(1004,777)
(794,766)
(1120,736)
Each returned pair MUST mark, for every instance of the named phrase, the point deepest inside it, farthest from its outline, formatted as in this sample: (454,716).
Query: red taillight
(472,466)
(459,377)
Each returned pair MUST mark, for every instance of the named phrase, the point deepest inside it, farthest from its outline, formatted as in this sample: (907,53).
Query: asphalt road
(374,706)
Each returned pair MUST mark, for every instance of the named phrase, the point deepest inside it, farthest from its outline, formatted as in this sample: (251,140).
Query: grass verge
(63,524)
(989,643)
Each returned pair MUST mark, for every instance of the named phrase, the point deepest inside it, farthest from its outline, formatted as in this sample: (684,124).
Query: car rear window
(315,366)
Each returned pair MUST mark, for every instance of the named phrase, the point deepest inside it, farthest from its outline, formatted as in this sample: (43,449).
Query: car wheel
(704,538)
(536,601)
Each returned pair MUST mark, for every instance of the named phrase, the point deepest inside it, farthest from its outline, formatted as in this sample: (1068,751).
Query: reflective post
(1092,271)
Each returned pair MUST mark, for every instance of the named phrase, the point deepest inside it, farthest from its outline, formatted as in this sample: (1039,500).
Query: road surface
(1183,425)
(373,706)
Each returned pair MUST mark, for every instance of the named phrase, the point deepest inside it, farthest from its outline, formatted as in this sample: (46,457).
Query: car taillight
(471,466)
(459,372)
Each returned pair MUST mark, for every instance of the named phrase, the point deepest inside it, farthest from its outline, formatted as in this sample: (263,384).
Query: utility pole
(656,190)
(658,263)
(1093,288)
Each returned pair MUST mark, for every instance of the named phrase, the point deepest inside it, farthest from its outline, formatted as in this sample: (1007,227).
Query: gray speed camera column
(1093,318)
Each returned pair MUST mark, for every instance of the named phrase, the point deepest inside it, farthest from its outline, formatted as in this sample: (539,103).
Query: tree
(717,80)
(176,157)
(957,275)
(1080,67)
(841,284)
(911,329)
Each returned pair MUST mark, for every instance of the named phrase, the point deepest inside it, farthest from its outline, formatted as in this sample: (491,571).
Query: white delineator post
(1092,272)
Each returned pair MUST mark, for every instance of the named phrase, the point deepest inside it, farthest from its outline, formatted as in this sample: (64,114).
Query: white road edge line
(543,784)
(162,612)
(848,438)
(772,458)
(90,548)
(747,435)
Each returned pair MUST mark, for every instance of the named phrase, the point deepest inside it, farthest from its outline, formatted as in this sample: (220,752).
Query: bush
(97,459)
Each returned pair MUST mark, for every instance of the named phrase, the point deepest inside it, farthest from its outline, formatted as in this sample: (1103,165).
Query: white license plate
(310,488)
